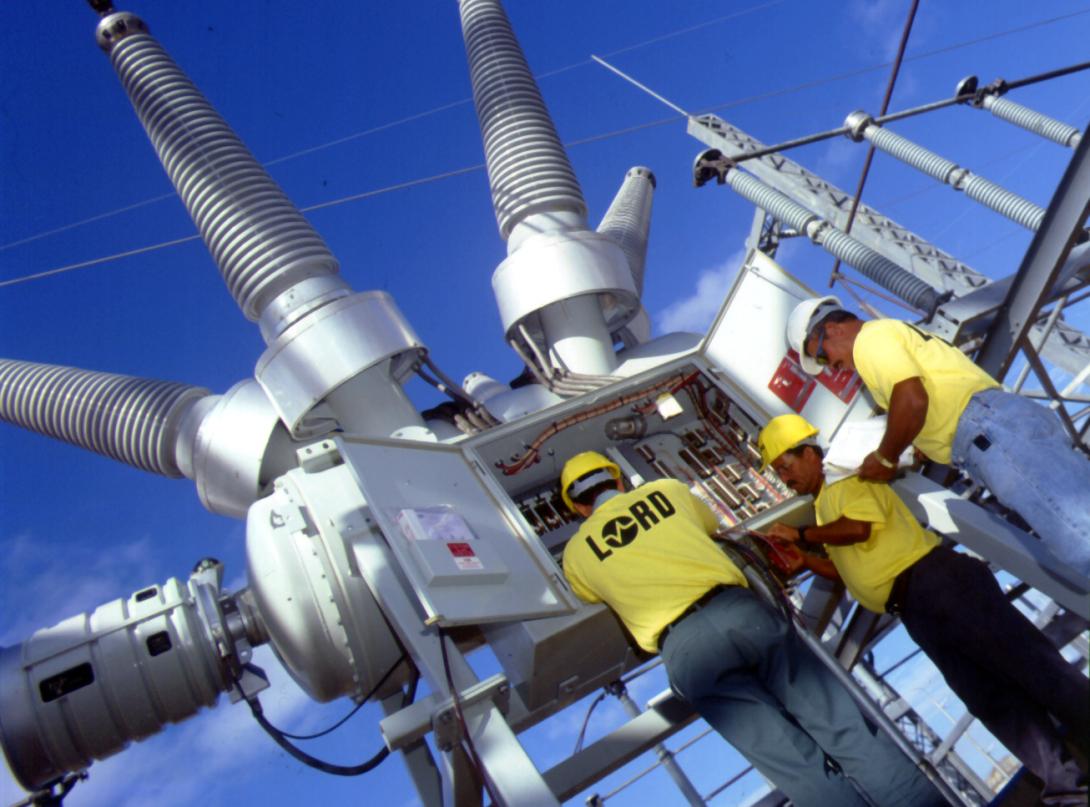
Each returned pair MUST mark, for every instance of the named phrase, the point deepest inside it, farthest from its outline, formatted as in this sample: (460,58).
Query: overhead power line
(97,261)
(890,84)
(583,63)
(395,123)
(479,166)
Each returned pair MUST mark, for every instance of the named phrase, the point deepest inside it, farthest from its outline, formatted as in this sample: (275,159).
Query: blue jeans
(744,670)
(1021,453)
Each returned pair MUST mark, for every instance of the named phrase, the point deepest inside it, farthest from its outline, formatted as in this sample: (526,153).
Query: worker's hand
(783,553)
(787,558)
(782,532)
(874,471)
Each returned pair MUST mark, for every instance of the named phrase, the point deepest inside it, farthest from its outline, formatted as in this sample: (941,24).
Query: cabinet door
(459,539)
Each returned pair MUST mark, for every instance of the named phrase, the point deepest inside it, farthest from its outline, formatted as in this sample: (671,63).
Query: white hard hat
(802,319)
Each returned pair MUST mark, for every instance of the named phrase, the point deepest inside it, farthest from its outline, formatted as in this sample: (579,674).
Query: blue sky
(77,530)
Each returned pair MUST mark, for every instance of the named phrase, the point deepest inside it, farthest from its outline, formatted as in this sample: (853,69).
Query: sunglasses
(820,356)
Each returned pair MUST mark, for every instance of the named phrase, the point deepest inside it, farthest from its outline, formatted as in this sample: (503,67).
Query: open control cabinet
(681,421)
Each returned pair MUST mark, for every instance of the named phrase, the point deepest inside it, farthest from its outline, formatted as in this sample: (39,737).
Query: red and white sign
(790,383)
(844,384)
(464,556)
(793,385)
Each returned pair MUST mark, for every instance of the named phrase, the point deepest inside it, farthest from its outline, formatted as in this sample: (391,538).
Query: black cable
(586,722)
(1047,76)
(471,749)
(443,388)
(756,563)
(473,409)
(327,767)
(316,735)
(307,759)
(355,709)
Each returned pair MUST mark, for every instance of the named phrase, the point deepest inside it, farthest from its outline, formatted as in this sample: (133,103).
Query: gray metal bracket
(666,714)
(406,726)
(1066,347)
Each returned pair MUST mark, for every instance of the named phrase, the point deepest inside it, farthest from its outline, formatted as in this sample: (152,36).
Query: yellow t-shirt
(896,538)
(647,555)
(888,351)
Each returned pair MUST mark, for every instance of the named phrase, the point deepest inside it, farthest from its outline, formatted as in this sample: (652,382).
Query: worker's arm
(841,532)
(820,566)
(907,410)
(790,558)
(571,573)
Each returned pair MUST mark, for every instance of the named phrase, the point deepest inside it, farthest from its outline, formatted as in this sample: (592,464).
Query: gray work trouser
(741,666)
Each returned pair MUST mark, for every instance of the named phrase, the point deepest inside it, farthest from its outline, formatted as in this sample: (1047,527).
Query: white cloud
(882,22)
(695,312)
(48,591)
(178,765)
(840,161)
(223,740)
(563,728)
(220,743)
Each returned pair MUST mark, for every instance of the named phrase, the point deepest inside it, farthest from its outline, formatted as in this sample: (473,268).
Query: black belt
(699,603)
(895,602)
(896,599)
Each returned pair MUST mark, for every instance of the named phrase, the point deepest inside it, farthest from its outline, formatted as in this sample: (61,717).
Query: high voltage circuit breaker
(692,431)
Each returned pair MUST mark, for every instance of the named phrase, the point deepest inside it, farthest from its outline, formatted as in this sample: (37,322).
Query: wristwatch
(882,460)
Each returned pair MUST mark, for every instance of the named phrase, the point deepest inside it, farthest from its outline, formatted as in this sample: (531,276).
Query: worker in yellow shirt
(648,554)
(957,414)
(1008,674)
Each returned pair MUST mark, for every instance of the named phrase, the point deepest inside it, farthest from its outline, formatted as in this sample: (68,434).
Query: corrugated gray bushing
(258,239)
(1032,121)
(996,197)
(134,420)
(1006,203)
(628,220)
(871,264)
(528,169)
(778,206)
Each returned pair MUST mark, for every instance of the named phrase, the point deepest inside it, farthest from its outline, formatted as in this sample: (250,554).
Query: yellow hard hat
(582,465)
(782,433)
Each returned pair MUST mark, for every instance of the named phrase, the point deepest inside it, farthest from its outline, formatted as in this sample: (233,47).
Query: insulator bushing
(1032,121)
(133,420)
(528,169)
(1002,201)
(881,270)
(871,264)
(628,220)
(906,151)
(778,206)
(88,686)
(261,243)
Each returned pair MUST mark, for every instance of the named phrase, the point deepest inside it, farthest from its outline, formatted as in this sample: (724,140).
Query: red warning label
(793,385)
(842,383)
(464,557)
(790,383)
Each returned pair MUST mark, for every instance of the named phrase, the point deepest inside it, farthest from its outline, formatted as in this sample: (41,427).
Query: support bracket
(437,714)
